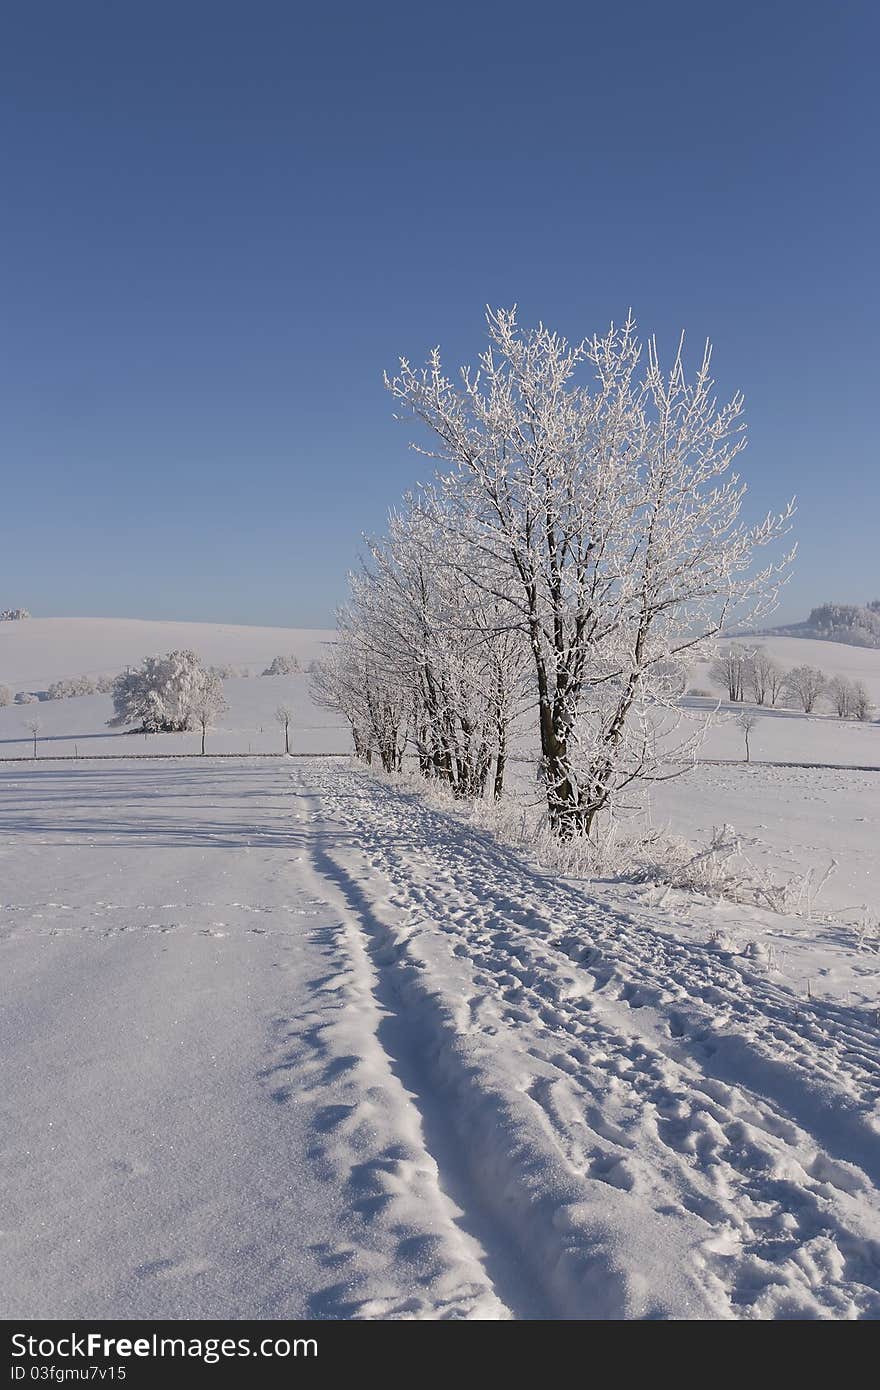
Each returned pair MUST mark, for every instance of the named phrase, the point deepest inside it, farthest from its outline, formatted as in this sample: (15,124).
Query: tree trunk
(500,762)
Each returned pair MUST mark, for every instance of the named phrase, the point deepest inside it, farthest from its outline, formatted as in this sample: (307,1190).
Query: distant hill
(33,654)
(851,623)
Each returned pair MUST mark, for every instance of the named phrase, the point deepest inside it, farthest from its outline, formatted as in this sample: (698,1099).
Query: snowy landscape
(439,679)
(312,1043)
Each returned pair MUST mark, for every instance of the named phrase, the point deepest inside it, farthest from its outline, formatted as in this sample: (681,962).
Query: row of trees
(754,675)
(582,540)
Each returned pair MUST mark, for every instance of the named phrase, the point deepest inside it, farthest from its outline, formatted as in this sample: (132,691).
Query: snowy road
(279,1040)
(197,1119)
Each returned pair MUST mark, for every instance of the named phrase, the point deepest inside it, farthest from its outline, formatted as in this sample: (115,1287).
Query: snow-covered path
(197,1117)
(663,1130)
(280,1040)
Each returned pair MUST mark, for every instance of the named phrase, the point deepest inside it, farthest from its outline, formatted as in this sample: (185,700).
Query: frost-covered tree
(167,694)
(283,666)
(841,692)
(71,688)
(804,685)
(284,716)
(437,661)
(33,727)
(747,722)
(611,515)
(5,696)
(208,704)
(862,703)
(12,615)
(335,684)
(730,669)
(764,677)
(846,622)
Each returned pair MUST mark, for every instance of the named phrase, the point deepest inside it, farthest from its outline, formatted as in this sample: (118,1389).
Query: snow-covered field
(41,650)
(280,1038)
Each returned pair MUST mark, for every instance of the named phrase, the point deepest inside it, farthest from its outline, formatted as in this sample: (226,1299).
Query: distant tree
(842,694)
(5,695)
(775,682)
(747,721)
(763,677)
(862,704)
(846,622)
(208,704)
(284,715)
(729,669)
(33,726)
(71,688)
(804,685)
(227,672)
(12,615)
(283,666)
(166,694)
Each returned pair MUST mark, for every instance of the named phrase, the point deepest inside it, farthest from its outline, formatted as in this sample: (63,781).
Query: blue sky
(220,222)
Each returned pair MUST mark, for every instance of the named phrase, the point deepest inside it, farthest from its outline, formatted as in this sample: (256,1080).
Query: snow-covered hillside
(41,650)
(834,658)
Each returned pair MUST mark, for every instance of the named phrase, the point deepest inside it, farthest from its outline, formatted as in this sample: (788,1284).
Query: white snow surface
(37,651)
(279,1039)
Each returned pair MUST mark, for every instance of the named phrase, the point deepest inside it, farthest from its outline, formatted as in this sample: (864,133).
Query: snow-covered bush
(283,666)
(71,688)
(721,869)
(5,696)
(167,694)
(227,672)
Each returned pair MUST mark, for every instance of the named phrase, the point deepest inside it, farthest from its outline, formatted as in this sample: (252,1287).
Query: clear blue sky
(220,222)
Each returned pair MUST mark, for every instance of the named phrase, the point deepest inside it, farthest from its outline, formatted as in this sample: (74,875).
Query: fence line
(151,757)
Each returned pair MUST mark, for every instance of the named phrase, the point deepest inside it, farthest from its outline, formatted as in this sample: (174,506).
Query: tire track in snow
(405,1252)
(556,1246)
